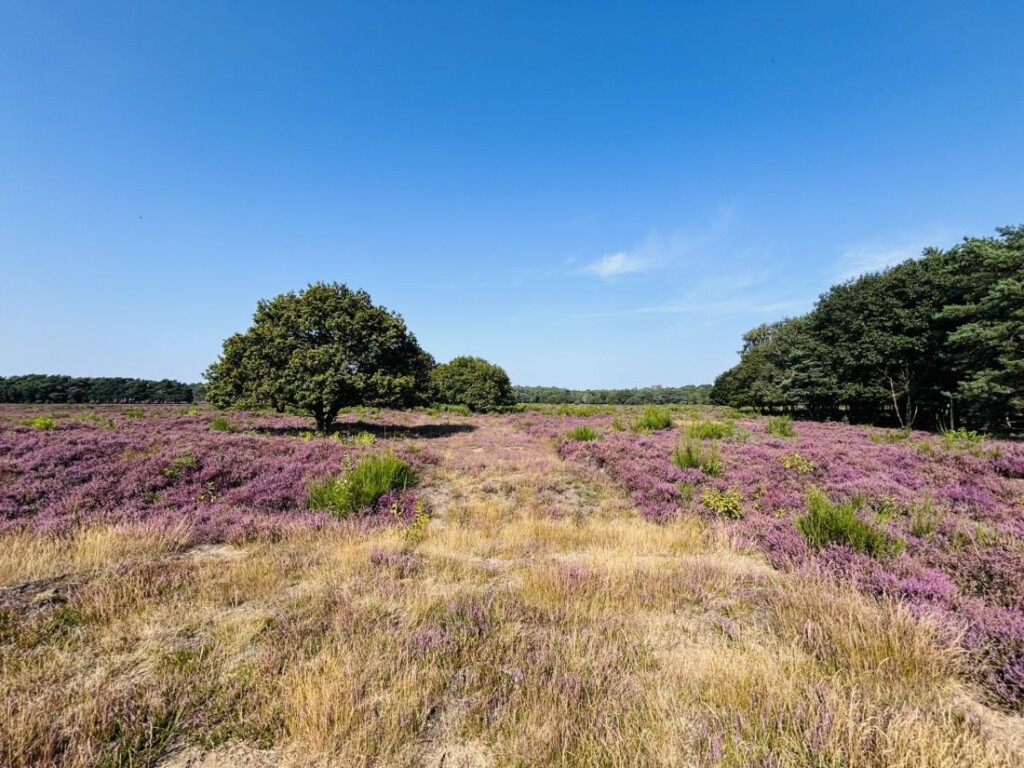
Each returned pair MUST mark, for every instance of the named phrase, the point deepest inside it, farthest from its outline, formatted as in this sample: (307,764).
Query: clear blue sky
(589,194)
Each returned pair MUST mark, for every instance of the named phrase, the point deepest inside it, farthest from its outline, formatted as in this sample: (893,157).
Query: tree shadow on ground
(382,431)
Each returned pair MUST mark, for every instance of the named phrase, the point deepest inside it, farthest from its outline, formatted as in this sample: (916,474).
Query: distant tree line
(691,394)
(36,388)
(932,342)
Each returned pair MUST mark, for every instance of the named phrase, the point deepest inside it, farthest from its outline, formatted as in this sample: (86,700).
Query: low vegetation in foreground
(521,589)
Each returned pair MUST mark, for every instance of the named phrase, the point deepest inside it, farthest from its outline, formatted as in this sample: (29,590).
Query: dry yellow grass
(498,636)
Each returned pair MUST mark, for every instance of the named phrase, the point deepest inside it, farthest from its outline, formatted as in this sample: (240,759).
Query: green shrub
(695,454)
(472,382)
(221,424)
(827,522)
(781,426)
(960,438)
(440,410)
(361,485)
(794,460)
(182,464)
(582,432)
(652,419)
(728,502)
(41,422)
(709,430)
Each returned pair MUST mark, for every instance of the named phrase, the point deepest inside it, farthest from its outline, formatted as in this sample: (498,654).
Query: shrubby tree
(473,382)
(318,351)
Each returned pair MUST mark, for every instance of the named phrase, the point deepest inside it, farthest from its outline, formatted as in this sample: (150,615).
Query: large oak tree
(318,351)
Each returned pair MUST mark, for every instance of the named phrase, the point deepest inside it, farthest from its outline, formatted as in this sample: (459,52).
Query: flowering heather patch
(166,467)
(952,510)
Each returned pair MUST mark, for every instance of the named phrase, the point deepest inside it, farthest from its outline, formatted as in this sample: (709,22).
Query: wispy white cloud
(657,250)
(621,263)
(864,258)
(749,294)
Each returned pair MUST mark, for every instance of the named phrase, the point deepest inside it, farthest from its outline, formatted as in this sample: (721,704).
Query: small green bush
(221,424)
(954,439)
(182,464)
(41,422)
(440,410)
(652,419)
(361,485)
(781,426)
(828,523)
(794,460)
(709,430)
(582,432)
(695,454)
(728,502)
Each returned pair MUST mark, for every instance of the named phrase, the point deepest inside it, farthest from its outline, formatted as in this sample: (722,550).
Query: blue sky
(589,194)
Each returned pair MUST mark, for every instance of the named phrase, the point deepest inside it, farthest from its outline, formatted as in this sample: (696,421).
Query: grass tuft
(828,522)
(709,430)
(694,454)
(221,424)
(582,432)
(652,419)
(781,426)
(361,485)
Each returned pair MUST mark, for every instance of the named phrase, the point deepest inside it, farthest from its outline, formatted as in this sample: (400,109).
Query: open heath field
(579,586)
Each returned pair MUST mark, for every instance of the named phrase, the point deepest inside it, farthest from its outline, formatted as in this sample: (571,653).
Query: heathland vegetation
(180,587)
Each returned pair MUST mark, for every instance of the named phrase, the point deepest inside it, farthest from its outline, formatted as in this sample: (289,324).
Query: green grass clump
(827,522)
(221,424)
(652,419)
(781,426)
(885,436)
(709,430)
(582,432)
(694,454)
(361,485)
(924,518)
(41,422)
(728,502)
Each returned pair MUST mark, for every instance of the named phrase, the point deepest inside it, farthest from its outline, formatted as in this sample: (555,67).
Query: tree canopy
(318,351)
(934,341)
(39,388)
(690,394)
(473,382)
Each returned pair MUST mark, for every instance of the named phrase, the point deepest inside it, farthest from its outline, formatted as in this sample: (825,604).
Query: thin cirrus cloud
(866,258)
(621,263)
